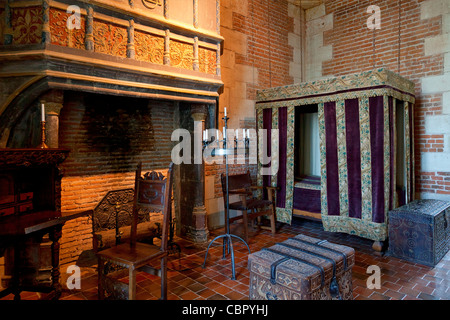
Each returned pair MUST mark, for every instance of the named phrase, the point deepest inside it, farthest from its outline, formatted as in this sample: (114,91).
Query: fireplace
(114,88)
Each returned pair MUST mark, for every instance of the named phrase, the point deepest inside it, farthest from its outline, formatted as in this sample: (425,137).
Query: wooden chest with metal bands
(302,268)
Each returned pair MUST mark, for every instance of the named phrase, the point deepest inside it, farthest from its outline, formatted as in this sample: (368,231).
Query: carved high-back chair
(152,191)
(250,206)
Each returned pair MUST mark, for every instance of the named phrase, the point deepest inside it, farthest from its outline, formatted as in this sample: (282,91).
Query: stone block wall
(317,22)
(435,160)
(262,49)
(258,52)
(413,41)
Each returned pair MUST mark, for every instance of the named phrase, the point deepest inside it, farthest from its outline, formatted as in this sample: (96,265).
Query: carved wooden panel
(110,38)
(181,54)
(149,47)
(207,60)
(151,194)
(115,207)
(27,25)
(32,157)
(63,36)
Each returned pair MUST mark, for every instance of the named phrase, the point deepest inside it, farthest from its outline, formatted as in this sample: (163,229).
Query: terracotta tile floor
(400,280)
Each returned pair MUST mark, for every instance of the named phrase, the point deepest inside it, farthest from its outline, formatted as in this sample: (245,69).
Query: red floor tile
(188,280)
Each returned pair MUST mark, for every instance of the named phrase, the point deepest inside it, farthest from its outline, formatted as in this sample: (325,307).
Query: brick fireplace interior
(108,136)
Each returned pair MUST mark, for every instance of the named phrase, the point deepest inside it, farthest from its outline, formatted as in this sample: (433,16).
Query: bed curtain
(357,128)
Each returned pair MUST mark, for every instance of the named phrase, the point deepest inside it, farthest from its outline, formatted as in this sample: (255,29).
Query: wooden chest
(419,231)
(302,268)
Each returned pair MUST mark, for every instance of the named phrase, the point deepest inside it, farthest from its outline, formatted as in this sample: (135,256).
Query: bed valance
(358,131)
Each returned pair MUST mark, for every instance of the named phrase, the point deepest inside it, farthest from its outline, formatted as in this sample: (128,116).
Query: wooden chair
(241,184)
(153,192)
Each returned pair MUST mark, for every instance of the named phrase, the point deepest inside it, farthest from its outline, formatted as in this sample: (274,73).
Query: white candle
(244,132)
(204,135)
(237,134)
(224,133)
(248,133)
(217,134)
(225,111)
(42,112)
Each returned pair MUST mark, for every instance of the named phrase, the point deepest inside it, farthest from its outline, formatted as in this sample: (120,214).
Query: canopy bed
(358,162)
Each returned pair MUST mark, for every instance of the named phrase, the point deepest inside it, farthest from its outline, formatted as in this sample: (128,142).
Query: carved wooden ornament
(151,4)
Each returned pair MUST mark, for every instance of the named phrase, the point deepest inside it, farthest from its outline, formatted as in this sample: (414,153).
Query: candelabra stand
(42,145)
(227,237)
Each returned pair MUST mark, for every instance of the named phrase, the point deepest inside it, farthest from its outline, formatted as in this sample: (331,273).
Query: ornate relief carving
(27,25)
(110,39)
(32,157)
(207,60)
(61,35)
(181,55)
(151,4)
(149,47)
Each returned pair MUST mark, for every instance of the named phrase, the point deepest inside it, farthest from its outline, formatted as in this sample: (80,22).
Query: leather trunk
(302,268)
(419,231)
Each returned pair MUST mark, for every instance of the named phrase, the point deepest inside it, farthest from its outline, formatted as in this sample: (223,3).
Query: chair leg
(272,222)
(258,219)
(273,219)
(245,222)
(132,284)
(164,278)
(255,221)
(274,214)
(101,292)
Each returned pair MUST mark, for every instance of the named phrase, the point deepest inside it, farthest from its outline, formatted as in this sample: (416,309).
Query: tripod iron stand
(227,237)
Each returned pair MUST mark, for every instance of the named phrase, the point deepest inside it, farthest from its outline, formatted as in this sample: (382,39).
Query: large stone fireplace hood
(146,49)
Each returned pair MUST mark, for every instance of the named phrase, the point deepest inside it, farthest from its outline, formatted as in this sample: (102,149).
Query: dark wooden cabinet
(30,213)
(27,190)
(30,180)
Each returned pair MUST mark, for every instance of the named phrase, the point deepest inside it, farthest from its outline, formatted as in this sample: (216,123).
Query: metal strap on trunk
(319,244)
(446,217)
(334,287)
(273,266)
